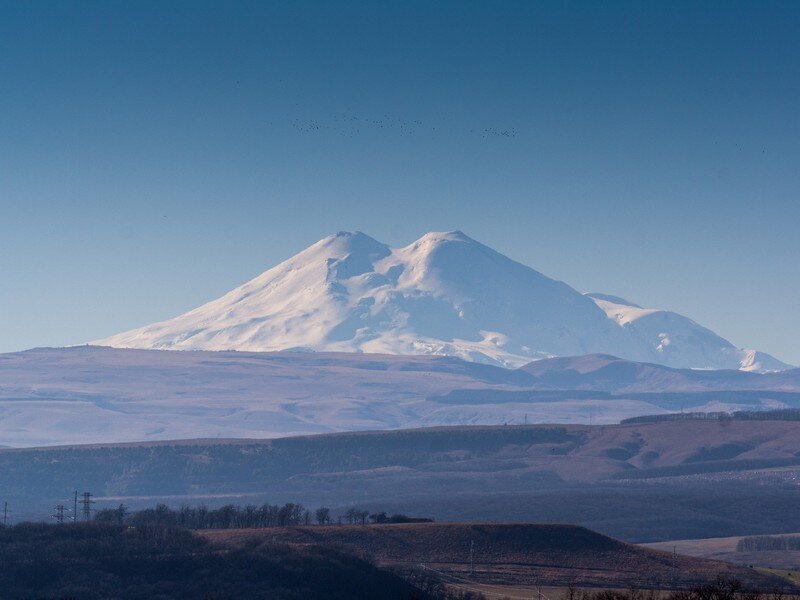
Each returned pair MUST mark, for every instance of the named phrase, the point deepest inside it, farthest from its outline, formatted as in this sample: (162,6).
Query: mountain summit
(443,294)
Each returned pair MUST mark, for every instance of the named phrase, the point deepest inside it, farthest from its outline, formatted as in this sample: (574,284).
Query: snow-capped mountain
(680,342)
(443,294)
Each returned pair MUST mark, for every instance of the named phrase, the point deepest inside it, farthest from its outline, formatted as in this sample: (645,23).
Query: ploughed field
(507,554)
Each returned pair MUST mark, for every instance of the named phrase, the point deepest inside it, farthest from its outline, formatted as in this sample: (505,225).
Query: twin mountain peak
(444,294)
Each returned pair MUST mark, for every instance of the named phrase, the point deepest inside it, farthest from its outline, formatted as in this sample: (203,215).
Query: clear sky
(154,155)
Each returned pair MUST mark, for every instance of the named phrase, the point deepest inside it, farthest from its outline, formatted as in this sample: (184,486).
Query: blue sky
(154,155)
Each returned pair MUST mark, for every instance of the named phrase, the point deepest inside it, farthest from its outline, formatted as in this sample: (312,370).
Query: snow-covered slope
(677,341)
(443,294)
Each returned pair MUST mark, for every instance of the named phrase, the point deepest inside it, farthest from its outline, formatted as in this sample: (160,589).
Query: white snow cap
(442,294)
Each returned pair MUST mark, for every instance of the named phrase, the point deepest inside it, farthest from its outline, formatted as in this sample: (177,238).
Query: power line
(59,514)
(87,506)
(465,584)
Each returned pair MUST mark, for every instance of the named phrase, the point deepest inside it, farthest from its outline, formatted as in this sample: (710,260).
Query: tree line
(765,543)
(783,414)
(232,516)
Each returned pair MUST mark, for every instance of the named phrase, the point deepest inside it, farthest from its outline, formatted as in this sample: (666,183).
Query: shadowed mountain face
(445,294)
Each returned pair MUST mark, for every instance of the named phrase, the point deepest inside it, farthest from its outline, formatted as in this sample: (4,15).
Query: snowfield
(444,294)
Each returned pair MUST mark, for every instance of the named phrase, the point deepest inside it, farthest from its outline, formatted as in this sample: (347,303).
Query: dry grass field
(526,555)
(724,549)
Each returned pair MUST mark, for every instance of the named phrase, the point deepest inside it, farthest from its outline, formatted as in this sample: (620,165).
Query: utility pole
(674,567)
(87,505)
(75,508)
(5,514)
(472,558)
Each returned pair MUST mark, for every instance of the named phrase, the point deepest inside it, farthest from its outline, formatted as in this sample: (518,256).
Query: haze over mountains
(444,294)
(99,394)
(602,372)
(353,335)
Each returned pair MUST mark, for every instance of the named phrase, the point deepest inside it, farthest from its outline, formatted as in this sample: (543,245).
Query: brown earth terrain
(724,549)
(508,554)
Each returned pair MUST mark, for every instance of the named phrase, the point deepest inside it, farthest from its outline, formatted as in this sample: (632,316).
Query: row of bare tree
(232,516)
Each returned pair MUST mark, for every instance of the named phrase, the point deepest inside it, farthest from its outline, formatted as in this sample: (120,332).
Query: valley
(641,482)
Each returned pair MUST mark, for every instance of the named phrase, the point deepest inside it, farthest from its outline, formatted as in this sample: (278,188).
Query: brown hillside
(543,554)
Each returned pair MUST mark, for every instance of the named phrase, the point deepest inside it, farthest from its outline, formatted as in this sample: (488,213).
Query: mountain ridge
(95,394)
(444,293)
(604,372)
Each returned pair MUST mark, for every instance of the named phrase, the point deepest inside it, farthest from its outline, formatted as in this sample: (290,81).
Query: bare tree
(351,515)
(323,515)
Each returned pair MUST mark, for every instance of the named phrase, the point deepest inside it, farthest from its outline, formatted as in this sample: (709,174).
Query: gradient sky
(154,155)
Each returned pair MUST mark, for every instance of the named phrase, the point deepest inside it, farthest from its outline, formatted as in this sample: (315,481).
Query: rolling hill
(641,482)
(90,394)
(603,372)
(513,553)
